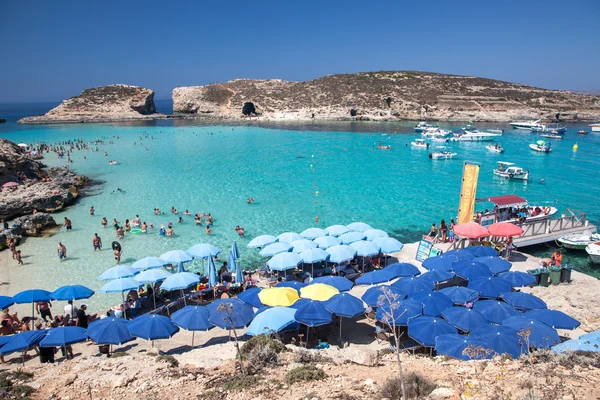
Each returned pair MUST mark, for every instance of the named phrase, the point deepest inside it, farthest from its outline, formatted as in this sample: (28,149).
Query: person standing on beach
(68,224)
(18,258)
(61,250)
(97,242)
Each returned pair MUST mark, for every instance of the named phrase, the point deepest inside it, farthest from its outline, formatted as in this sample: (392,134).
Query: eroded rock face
(386,95)
(104,103)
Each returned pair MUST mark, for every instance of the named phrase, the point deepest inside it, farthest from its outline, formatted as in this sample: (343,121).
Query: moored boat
(421,126)
(593,250)
(494,148)
(513,208)
(435,132)
(582,132)
(525,124)
(578,241)
(552,136)
(595,127)
(511,171)
(475,136)
(541,146)
(441,154)
(420,144)
(549,127)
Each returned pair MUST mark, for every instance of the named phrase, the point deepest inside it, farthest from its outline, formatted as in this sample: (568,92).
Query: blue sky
(54,49)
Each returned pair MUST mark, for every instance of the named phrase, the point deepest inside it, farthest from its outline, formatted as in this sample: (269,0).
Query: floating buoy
(316,193)
(575,147)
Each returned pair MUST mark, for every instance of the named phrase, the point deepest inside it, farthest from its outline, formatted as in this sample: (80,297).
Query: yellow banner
(466,207)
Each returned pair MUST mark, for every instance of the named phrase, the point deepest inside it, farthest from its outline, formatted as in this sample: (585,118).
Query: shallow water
(295,172)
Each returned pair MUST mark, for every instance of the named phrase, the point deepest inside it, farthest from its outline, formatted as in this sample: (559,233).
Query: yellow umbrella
(284,296)
(318,291)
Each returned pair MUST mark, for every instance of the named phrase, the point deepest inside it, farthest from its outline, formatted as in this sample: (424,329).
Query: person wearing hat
(82,317)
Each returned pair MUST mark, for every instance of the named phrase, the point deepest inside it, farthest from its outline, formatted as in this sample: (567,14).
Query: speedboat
(541,146)
(494,148)
(593,250)
(582,132)
(420,144)
(595,127)
(511,171)
(441,154)
(525,124)
(578,241)
(435,132)
(552,135)
(513,208)
(421,126)
(496,130)
(475,136)
(549,127)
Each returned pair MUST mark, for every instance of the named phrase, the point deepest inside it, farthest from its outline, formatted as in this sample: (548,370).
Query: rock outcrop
(38,188)
(101,104)
(385,96)
(27,225)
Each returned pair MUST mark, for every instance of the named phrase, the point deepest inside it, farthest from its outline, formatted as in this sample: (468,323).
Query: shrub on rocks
(304,373)
(261,341)
(172,361)
(417,387)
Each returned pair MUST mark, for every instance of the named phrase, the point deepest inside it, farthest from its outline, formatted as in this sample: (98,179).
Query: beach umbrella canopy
(250,296)
(311,312)
(471,270)
(262,241)
(239,274)
(491,287)
(433,303)
(388,245)
(10,184)
(382,294)
(318,291)
(121,285)
(325,242)
(278,296)
(460,295)
(399,311)
(439,263)
(274,319)
(212,272)
(339,282)
(149,263)
(292,284)
(152,327)
(192,318)
(152,275)
(235,251)
(5,302)
(345,305)
(505,229)
(495,264)
(231,265)
(351,237)
(32,296)
(460,255)
(524,301)
(533,332)
(23,341)
(109,330)
(495,311)
(313,233)
(403,269)
(373,234)
(411,285)
(554,318)
(298,246)
(203,250)
(314,255)
(470,230)
(518,279)
(176,257)
(289,237)
(365,248)
(359,227)
(275,248)
(569,345)
(592,336)
(237,314)
(341,253)
(481,251)
(64,336)
(118,271)
(464,318)
(284,261)
(436,276)
(459,346)
(337,230)
(500,339)
(72,292)
(180,281)
(425,330)
(375,277)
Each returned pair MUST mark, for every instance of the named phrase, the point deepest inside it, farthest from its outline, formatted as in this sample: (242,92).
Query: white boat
(443,154)
(511,171)
(435,132)
(496,130)
(578,241)
(471,128)
(420,144)
(552,136)
(475,136)
(595,127)
(541,146)
(525,124)
(593,250)
(421,126)
(494,148)
(548,127)
(506,205)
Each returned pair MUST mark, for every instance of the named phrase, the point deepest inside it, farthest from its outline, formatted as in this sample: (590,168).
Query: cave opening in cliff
(248,108)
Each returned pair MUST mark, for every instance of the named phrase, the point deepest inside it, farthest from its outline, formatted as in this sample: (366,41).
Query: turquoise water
(295,173)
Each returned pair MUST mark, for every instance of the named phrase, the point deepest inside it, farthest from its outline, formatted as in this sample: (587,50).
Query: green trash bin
(544,277)
(565,274)
(555,275)
(536,273)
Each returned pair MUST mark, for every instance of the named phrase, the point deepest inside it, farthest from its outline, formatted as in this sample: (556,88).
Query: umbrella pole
(183,295)
(312,270)
(124,309)
(193,333)
(341,340)
(307,333)
(154,298)
(23,357)
(32,318)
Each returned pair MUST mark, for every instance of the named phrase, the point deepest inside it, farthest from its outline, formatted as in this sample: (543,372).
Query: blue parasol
(340,283)
(471,270)
(496,264)
(399,312)
(554,318)
(109,330)
(388,245)
(518,279)
(439,263)
(524,301)
(236,314)
(284,261)
(500,339)
(535,333)
(275,248)
(492,287)
(64,336)
(116,272)
(461,347)
(460,295)
(325,242)
(152,327)
(375,277)
(341,253)
(373,234)
(351,237)
(495,311)
(378,295)
(433,303)
(262,241)
(358,227)
(149,263)
(272,320)
(464,318)
(425,329)
(337,230)
(313,233)
(202,250)
(403,269)
(411,285)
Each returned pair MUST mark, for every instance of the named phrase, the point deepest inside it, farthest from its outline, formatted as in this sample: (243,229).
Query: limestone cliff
(386,95)
(104,103)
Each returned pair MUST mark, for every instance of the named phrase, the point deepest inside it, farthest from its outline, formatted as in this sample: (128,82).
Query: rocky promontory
(384,95)
(31,186)
(102,104)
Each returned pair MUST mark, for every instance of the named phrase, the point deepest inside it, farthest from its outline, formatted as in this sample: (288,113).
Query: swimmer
(198,220)
(180,219)
(208,231)
(170,231)
(210,221)
(120,232)
(151,226)
(115,223)
(144,227)
(92,211)
(117,254)
(136,221)
(104,222)
(187,213)
(173,210)
(162,230)
(105,154)
(239,230)
(250,200)
(127,225)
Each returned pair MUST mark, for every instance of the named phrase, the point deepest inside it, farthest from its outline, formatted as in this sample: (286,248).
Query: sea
(300,175)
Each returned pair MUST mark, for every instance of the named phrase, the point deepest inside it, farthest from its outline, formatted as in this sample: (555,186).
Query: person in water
(180,220)
(120,232)
(187,213)
(117,253)
(68,224)
(208,230)
(144,227)
(136,221)
(162,230)
(170,231)
(61,250)
(250,200)
(127,225)
(92,211)
(115,223)
(97,242)
(104,222)
(173,210)
(239,230)
(198,220)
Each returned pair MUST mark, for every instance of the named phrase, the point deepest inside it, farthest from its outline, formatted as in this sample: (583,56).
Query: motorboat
(421,126)
(525,124)
(496,130)
(439,139)
(511,171)
(442,154)
(471,128)
(593,250)
(582,132)
(578,241)
(475,136)
(548,127)
(420,144)
(382,146)
(513,208)
(494,148)
(595,127)
(552,136)
(435,132)
(541,146)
